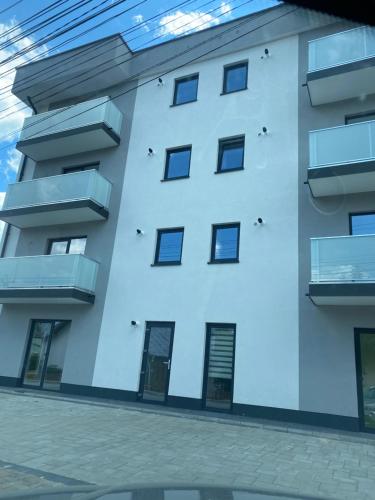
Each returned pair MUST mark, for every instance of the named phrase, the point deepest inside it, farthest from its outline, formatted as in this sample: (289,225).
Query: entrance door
(45,355)
(156,363)
(219,367)
(365,354)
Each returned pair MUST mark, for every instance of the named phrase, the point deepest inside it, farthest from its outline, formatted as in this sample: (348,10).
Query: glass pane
(157,359)
(367,341)
(220,368)
(178,163)
(363,224)
(232,155)
(56,356)
(170,246)
(58,247)
(78,245)
(37,354)
(235,78)
(226,243)
(186,90)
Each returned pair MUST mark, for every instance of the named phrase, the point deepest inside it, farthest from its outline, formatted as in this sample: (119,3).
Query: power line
(10,6)
(89,48)
(173,69)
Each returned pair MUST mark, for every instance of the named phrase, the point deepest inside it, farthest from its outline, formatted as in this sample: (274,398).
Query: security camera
(263,132)
(266,54)
(160,82)
(140,232)
(134,323)
(259,221)
(150,152)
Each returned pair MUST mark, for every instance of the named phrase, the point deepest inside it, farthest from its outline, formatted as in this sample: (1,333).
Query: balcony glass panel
(49,271)
(84,185)
(343,259)
(345,144)
(341,48)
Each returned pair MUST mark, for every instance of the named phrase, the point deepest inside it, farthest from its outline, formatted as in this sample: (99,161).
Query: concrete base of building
(315,419)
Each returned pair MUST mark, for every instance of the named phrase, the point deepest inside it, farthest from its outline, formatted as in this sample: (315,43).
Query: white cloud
(225,8)
(11,119)
(180,22)
(138,19)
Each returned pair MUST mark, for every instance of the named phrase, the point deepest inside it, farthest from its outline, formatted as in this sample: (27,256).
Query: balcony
(342,66)
(343,270)
(48,279)
(342,159)
(61,199)
(88,126)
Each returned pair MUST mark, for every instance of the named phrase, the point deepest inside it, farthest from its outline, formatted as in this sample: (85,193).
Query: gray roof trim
(362,167)
(342,289)
(36,293)
(52,207)
(342,68)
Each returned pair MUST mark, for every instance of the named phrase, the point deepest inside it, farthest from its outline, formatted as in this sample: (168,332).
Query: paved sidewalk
(109,444)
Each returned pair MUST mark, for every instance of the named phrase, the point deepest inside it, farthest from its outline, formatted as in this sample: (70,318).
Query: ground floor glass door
(366,377)
(45,354)
(219,366)
(156,363)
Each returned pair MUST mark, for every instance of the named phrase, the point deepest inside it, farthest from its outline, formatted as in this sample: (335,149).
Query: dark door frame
(358,366)
(149,325)
(205,371)
(29,341)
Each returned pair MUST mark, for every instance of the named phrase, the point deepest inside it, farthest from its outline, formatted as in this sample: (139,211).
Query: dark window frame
(69,239)
(221,144)
(81,167)
(359,115)
(182,79)
(205,371)
(160,232)
(228,67)
(166,165)
(358,368)
(214,229)
(353,214)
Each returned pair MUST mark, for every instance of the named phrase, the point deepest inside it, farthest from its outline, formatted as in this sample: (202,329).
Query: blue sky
(172,20)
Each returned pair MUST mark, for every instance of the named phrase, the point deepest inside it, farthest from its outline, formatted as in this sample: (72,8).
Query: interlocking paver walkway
(111,444)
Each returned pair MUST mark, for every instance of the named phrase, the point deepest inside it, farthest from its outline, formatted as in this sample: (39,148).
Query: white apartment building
(194,224)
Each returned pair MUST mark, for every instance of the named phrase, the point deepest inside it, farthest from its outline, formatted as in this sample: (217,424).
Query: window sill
(182,103)
(175,178)
(229,170)
(228,261)
(234,91)
(164,264)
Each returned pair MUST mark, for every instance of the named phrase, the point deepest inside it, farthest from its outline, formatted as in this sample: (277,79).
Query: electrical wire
(10,6)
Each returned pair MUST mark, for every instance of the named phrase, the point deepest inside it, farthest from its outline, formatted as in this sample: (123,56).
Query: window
(80,168)
(185,90)
(235,77)
(67,245)
(178,163)
(362,224)
(169,246)
(231,154)
(225,243)
(360,117)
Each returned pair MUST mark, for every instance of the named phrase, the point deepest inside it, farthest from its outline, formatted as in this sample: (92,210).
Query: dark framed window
(231,154)
(360,117)
(235,77)
(225,243)
(362,223)
(177,165)
(74,244)
(169,246)
(81,168)
(185,90)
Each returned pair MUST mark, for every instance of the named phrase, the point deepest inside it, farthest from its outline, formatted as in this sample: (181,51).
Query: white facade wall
(260,294)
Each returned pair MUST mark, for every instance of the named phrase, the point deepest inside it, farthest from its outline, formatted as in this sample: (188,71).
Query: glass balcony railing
(343,259)
(86,185)
(344,144)
(341,48)
(49,271)
(77,116)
